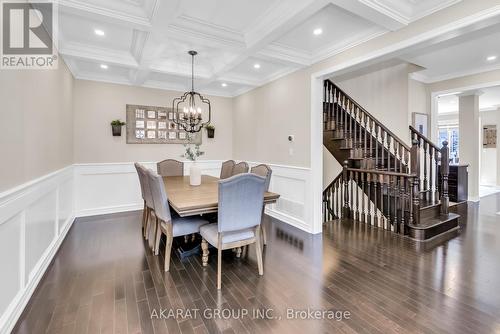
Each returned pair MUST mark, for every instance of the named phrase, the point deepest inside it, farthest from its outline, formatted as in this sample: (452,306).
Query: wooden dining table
(189,200)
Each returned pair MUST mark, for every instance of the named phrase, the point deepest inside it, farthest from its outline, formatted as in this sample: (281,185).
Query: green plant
(210,127)
(117,122)
(192,153)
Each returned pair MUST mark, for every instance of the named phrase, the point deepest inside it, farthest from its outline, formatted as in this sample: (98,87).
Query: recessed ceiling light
(99,32)
(317,31)
(223,84)
(491,58)
(256,66)
(104,66)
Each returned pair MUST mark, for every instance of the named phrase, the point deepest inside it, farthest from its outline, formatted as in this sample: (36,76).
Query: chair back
(141,179)
(170,167)
(160,199)
(240,168)
(145,183)
(227,169)
(241,199)
(264,171)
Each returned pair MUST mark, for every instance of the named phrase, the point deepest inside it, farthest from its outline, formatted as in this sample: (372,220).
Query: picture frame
(161,129)
(489,136)
(421,123)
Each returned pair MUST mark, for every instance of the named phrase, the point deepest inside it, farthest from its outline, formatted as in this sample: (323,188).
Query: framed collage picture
(155,125)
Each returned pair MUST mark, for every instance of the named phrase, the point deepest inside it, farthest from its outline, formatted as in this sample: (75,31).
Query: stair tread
(435,221)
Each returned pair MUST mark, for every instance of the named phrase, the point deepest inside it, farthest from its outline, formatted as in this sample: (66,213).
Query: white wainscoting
(114,187)
(34,219)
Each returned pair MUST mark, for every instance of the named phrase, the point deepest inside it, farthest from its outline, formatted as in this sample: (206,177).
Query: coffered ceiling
(242,44)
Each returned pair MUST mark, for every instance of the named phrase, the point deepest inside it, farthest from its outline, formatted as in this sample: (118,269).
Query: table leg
(238,252)
(204,248)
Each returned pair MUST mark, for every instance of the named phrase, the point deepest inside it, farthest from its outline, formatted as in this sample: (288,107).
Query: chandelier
(188,113)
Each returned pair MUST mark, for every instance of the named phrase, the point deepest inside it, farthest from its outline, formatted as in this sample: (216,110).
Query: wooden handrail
(377,122)
(424,138)
(381,172)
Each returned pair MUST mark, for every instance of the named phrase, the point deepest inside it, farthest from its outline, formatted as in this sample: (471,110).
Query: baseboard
(14,311)
(109,209)
(288,219)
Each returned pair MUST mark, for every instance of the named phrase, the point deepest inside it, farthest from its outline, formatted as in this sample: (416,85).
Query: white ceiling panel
(145,42)
(488,100)
(339,27)
(458,57)
(79,29)
(235,15)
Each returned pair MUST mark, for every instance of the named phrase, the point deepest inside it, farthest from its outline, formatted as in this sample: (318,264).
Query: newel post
(445,170)
(345,207)
(415,169)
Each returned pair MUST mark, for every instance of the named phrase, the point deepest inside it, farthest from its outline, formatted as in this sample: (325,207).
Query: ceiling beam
(369,10)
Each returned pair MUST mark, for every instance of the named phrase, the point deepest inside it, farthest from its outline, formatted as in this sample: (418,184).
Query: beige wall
(96,104)
(264,117)
(384,94)
(36,123)
(419,99)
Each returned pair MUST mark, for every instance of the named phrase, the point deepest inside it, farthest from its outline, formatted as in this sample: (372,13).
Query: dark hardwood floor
(104,279)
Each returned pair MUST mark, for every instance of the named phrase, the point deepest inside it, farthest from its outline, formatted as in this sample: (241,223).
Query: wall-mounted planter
(117,130)
(211,133)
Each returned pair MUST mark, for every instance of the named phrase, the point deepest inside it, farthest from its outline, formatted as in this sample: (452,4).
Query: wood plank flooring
(104,279)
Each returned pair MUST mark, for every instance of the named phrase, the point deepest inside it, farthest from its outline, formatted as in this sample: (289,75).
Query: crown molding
(335,49)
(88,52)
(205,35)
(79,7)
(459,74)
(286,54)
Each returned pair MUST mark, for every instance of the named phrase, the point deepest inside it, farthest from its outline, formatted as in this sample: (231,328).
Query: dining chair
(264,171)
(167,224)
(240,168)
(170,167)
(148,199)
(239,215)
(227,169)
(141,183)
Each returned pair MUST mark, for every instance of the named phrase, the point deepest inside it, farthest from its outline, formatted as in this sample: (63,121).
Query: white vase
(194,175)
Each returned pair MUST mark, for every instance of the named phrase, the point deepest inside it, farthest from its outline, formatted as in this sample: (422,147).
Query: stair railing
(432,157)
(332,199)
(389,200)
(361,131)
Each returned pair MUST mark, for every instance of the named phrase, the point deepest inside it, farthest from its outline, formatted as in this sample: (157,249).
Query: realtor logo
(28,35)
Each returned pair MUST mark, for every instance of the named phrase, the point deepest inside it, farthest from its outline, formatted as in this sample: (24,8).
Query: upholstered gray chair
(170,167)
(264,171)
(165,222)
(227,169)
(240,168)
(239,215)
(147,198)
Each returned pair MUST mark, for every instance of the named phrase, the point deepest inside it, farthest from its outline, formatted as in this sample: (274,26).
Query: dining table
(187,200)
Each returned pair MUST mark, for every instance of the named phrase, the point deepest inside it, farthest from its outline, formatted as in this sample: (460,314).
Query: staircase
(384,182)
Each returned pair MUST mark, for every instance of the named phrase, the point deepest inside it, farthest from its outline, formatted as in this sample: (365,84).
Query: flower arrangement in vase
(192,153)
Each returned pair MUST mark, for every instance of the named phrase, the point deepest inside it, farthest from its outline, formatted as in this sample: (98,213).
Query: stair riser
(426,234)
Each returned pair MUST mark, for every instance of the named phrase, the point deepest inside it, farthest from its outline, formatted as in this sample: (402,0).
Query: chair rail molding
(34,220)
